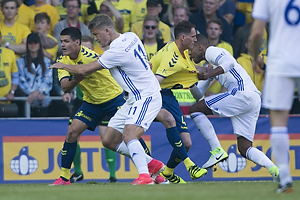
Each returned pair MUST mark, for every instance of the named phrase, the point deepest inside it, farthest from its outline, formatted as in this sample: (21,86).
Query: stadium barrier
(30,151)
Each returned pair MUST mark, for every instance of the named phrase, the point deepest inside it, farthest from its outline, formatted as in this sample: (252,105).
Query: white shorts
(242,108)
(279,92)
(140,113)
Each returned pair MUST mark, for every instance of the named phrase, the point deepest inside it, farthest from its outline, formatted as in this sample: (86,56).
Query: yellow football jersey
(7,66)
(141,10)
(176,69)
(15,34)
(97,88)
(245,61)
(51,11)
(127,9)
(150,50)
(53,50)
(25,16)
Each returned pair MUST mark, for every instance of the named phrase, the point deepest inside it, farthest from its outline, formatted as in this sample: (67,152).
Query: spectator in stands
(240,38)
(73,9)
(245,7)
(151,42)
(257,75)
(227,10)
(207,12)
(168,17)
(214,30)
(109,9)
(25,15)
(141,9)
(128,10)
(8,73)
(14,34)
(42,25)
(180,14)
(43,6)
(154,7)
(35,77)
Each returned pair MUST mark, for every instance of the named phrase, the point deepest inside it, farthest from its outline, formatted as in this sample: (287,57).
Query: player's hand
(204,72)
(150,65)
(57,65)
(258,64)
(67,97)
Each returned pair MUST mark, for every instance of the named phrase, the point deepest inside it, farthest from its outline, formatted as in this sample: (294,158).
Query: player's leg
(69,150)
(77,175)
(141,114)
(258,157)
(198,113)
(275,89)
(110,157)
(172,118)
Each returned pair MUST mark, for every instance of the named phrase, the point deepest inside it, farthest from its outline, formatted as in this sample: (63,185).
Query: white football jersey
(127,62)
(284,36)
(234,78)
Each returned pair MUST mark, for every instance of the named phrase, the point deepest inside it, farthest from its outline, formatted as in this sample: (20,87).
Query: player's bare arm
(79,69)
(159,78)
(256,37)
(67,85)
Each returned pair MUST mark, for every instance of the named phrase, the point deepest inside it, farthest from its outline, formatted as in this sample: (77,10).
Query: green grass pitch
(240,190)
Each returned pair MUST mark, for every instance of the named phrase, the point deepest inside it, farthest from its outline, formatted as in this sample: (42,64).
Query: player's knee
(72,136)
(168,121)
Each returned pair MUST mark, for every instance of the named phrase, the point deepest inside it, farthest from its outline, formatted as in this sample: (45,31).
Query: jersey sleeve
(219,57)
(60,72)
(260,10)
(109,59)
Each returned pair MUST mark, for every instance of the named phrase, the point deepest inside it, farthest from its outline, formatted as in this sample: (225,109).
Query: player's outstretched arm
(79,69)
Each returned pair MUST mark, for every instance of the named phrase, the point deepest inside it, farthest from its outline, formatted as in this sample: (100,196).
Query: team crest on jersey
(173,60)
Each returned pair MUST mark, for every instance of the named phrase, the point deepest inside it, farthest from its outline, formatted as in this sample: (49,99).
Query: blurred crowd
(30,42)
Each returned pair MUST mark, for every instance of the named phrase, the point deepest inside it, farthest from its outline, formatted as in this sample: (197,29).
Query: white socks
(206,128)
(280,143)
(259,157)
(138,156)
(122,149)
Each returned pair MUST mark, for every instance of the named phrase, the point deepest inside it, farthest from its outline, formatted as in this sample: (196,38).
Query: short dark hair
(202,39)
(73,32)
(41,16)
(183,27)
(78,1)
(3,2)
(215,20)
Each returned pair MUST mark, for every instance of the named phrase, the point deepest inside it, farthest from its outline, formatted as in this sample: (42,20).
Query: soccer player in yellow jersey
(101,95)
(174,70)
(14,34)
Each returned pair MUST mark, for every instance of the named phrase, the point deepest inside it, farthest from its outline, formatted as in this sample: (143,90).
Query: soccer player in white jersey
(241,102)
(126,59)
(282,73)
